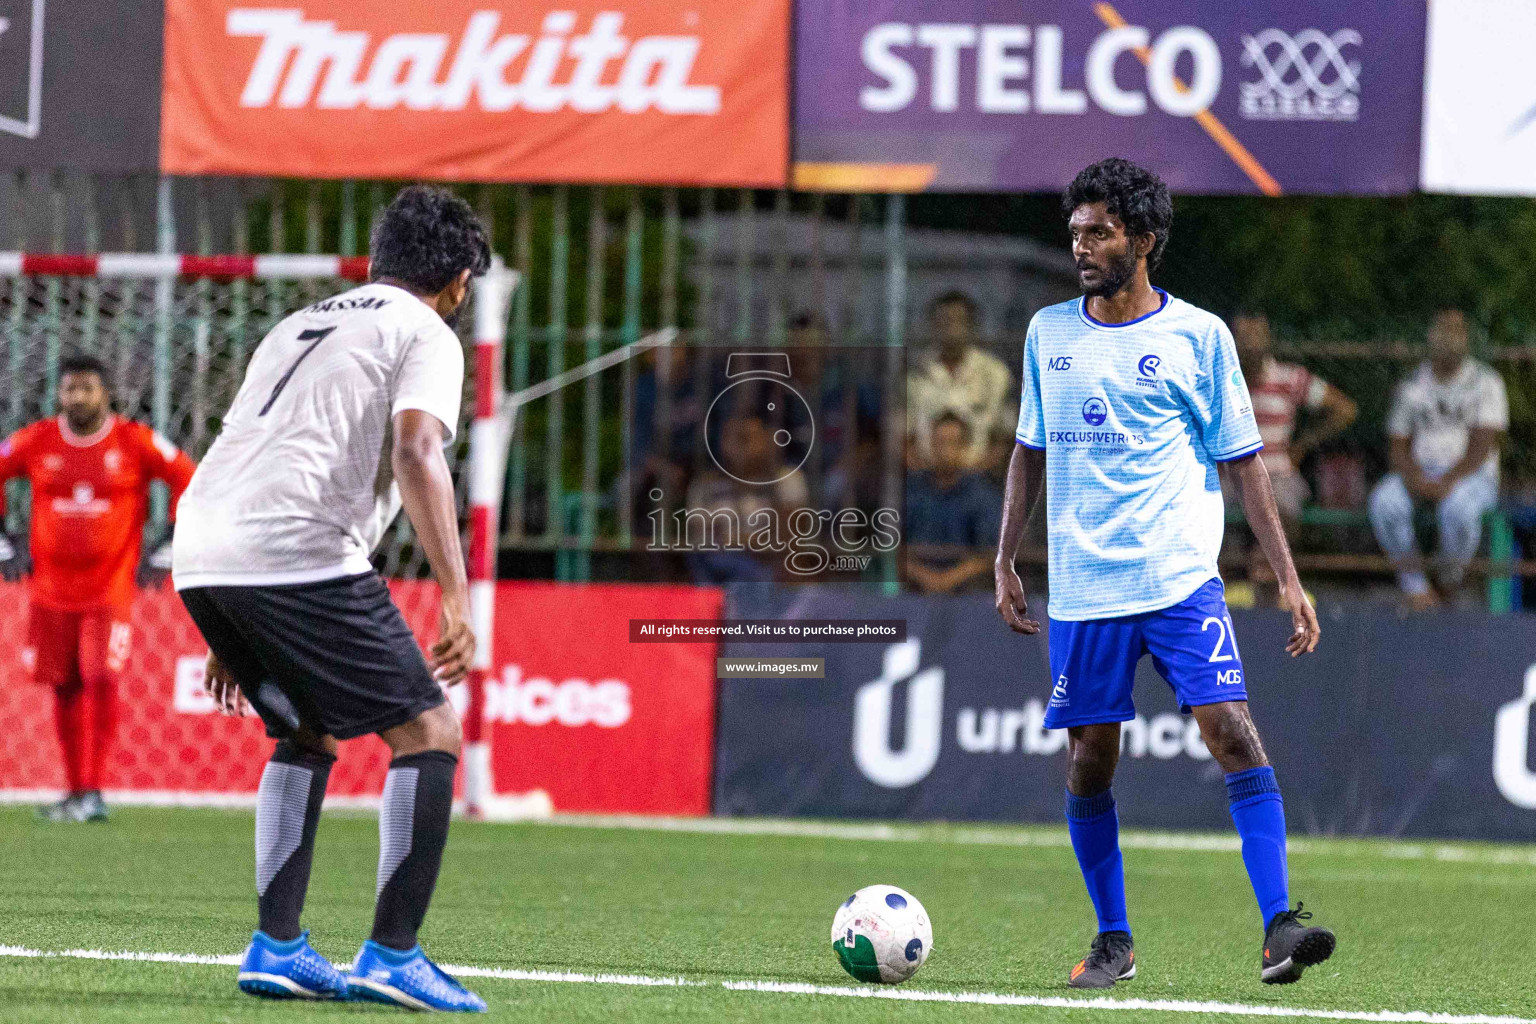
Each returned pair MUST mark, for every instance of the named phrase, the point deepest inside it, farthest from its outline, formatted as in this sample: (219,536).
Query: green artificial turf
(1418,932)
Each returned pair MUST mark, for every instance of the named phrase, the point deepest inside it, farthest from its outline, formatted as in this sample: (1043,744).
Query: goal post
(493,297)
(176,332)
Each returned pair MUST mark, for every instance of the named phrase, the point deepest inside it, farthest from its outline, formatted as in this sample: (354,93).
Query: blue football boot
(409,979)
(288,970)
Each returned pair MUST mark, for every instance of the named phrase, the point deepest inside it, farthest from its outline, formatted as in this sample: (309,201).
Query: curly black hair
(426,238)
(1134,194)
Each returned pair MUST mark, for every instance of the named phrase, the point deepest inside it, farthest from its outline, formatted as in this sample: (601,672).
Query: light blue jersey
(1133,419)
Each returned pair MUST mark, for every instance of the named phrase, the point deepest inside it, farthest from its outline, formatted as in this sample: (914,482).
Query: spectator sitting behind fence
(726,506)
(963,379)
(1279,392)
(950,505)
(1444,431)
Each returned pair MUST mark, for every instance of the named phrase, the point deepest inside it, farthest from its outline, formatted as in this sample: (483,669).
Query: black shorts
(334,657)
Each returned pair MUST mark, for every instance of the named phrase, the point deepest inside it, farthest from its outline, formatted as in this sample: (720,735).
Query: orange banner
(625,91)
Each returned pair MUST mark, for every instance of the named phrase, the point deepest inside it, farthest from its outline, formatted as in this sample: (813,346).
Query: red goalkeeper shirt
(90,497)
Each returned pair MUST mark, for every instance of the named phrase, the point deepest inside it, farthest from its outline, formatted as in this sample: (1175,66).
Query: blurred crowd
(823,432)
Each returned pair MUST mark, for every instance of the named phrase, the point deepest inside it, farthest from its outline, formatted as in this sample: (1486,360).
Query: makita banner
(461,90)
(1266,96)
(1392,728)
(574,709)
(80,85)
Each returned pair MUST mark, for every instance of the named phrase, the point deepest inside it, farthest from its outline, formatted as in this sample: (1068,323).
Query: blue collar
(1082,309)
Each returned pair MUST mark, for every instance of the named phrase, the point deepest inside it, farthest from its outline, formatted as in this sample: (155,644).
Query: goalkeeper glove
(13,561)
(156,566)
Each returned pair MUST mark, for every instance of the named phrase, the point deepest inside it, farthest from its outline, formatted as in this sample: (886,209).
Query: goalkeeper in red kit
(90,472)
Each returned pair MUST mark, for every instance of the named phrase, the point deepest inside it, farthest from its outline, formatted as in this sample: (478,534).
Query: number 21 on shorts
(1226,638)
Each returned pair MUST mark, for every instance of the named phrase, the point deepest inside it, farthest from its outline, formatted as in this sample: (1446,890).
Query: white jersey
(1439,416)
(298,485)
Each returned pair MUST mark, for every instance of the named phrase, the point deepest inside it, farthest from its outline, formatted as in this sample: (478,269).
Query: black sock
(287,811)
(413,828)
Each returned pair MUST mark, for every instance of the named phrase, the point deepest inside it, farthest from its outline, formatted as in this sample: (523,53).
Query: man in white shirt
(963,379)
(1444,430)
(342,418)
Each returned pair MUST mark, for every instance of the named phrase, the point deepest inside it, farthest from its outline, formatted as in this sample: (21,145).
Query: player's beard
(1115,272)
(85,420)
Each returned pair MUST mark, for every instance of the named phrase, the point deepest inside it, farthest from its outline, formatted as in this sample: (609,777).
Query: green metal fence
(601,267)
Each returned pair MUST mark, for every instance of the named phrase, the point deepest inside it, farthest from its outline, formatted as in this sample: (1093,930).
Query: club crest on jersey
(1095,412)
(1059,698)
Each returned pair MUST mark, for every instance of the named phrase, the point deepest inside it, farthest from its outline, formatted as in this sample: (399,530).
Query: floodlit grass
(1417,932)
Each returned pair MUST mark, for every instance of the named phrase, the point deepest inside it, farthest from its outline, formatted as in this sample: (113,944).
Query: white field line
(936,834)
(966,835)
(844,991)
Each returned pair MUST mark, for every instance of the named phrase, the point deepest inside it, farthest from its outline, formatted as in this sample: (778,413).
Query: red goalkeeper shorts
(64,648)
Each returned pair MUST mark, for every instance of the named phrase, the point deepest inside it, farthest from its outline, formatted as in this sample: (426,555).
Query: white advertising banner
(1480,98)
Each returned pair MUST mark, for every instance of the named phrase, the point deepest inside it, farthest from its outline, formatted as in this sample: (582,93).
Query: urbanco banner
(1480,98)
(986,95)
(573,708)
(1388,729)
(464,90)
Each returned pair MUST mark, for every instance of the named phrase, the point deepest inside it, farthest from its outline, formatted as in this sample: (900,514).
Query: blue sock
(1095,829)
(1259,814)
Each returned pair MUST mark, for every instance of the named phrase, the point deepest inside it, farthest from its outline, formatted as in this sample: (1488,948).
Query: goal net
(176,333)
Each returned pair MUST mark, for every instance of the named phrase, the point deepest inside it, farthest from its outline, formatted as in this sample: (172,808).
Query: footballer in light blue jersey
(1134,418)
(1131,399)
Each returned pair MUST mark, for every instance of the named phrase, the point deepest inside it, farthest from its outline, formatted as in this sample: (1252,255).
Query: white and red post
(493,293)
(159,265)
(487,455)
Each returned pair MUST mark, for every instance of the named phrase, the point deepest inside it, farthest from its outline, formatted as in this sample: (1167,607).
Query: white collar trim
(85,441)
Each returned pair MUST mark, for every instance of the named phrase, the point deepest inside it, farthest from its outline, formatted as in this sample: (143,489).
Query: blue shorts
(1192,645)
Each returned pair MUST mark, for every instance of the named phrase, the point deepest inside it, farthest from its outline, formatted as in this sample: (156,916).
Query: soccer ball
(881,934)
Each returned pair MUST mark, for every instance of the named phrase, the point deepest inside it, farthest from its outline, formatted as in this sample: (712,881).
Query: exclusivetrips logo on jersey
(1095,412)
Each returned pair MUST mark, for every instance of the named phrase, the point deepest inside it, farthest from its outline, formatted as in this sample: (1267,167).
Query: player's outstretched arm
(1264,519)
(426,490)
(1026,470)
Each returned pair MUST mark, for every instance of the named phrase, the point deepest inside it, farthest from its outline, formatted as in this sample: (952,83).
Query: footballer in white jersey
(1131,399)
(342,418)
(298,486)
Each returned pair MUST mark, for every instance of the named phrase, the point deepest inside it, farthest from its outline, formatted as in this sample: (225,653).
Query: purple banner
(1271,96)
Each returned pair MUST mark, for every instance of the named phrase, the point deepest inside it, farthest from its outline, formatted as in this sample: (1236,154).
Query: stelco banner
(989,95)
(574,709)
(1386,730)
(461,90)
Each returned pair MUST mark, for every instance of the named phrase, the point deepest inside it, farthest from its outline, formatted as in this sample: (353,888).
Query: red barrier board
(602,724)
(574,708)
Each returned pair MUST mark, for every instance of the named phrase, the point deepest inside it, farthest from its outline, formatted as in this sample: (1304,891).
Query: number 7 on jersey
(314,337)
